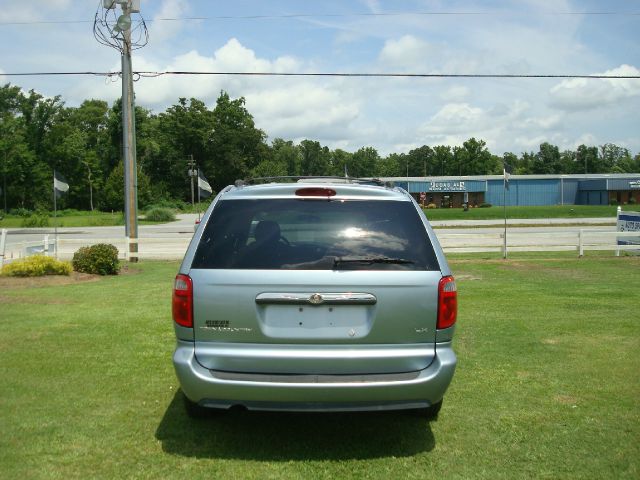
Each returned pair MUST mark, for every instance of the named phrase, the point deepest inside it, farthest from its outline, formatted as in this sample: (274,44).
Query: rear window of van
(295,234)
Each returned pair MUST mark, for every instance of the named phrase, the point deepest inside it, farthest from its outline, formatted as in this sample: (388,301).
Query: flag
(507,170)
(60,184)
(204,189)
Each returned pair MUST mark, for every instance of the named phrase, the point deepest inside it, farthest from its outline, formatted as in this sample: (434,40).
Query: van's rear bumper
(314,393)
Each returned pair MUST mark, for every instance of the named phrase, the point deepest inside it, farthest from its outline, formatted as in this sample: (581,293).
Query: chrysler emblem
(316,299)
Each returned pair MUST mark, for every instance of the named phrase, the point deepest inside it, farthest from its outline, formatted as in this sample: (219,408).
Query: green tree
(363,163)
(285,152)
(587,160)
(421,161)
(113,193)
(391,166)
(547,160)
(475,159)
(236,145)
(614,159)
(442,159)
(315,158)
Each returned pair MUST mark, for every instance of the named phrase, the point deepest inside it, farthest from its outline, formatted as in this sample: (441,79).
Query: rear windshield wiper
(370,260)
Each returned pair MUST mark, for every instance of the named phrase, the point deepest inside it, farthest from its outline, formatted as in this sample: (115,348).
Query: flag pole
(198,195)
(504,206)
(55,217)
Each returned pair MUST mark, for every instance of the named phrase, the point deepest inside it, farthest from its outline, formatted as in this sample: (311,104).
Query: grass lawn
(552,211)
(82,219)
(547,386)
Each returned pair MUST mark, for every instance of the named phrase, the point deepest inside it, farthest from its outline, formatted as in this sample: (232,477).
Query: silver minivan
(314,294)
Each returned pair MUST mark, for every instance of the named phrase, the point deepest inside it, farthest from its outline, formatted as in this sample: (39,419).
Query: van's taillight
(315,192)
(447,302)
(182,304)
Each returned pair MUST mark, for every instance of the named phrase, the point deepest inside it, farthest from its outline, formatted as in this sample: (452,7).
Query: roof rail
(309,178)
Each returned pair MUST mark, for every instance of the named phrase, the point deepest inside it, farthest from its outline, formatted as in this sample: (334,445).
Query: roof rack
(312,178)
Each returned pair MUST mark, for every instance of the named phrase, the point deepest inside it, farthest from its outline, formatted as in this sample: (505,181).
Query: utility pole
(118,35)
(192,174)
(129,141)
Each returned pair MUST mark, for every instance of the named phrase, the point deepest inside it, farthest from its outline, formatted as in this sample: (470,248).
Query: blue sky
(392,115)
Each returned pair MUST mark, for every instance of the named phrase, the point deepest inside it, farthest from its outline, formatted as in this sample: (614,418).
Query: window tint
(295,234)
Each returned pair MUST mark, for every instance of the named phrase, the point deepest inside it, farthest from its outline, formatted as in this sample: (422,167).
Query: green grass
(547,386)
(81,219)
(497,212)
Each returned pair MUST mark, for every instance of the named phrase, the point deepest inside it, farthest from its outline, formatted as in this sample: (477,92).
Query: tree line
(39,134)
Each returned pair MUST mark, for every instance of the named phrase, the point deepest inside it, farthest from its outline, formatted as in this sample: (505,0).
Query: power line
(328,74)
(335,15)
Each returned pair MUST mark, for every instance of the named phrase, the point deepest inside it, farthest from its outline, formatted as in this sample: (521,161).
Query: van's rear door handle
(346,298)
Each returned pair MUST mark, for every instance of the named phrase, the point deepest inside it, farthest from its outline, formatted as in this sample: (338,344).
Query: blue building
(589,189)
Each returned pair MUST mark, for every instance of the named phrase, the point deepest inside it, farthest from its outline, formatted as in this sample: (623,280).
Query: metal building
(589,189)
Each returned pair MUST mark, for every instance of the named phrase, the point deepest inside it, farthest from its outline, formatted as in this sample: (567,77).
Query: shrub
(20,212)
(36,266)
(485,205)
(35,221)
(613,202)
(160,215)
(432,205)
(170,203)
(632,201)
(68,212)
(101,259)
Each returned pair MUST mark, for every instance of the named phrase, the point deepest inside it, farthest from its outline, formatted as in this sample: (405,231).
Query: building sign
(634,184)
(629,222)
(447,187)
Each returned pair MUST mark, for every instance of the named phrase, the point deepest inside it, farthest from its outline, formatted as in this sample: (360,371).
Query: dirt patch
(567,400)
(461,277)
(55,280)
(46,280)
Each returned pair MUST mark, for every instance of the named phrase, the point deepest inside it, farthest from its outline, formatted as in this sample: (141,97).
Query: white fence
(579,241)
(174,246)
(169,247)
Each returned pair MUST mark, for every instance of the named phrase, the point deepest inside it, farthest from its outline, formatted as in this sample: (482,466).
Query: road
(170,240)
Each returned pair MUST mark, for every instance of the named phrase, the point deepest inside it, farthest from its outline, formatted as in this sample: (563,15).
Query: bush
(68,212)
(632,201)
(432,205)
(485,205)
(613,203)
(160,215)
(101,259)
(170,203)
(20,212)
(35,221)
(36,266)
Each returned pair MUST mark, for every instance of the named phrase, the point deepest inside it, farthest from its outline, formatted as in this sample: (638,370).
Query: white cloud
(303,110)
(407,52)
(586,94)
(289,108)
(162,31)
(456,118)
(455,94)
(502,126)
(32,11)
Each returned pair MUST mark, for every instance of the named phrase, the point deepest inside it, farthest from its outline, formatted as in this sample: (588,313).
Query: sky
(393,115)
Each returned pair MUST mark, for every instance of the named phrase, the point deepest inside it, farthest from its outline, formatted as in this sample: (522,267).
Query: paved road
(170,240)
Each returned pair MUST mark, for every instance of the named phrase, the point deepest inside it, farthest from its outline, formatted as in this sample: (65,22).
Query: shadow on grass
(270,436)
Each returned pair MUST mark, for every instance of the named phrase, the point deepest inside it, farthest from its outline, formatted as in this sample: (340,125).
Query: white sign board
(629,222)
